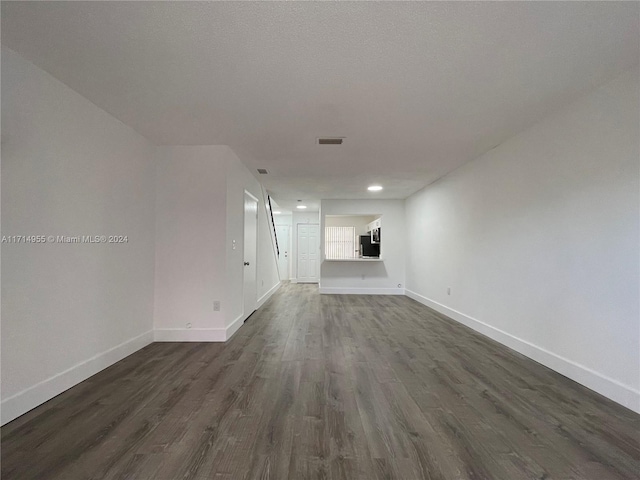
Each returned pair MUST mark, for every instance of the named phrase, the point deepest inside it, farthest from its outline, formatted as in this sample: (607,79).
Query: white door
(284,244)
(308,253)
(250,293)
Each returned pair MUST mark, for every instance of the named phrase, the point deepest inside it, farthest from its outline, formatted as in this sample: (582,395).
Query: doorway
(308,253)
(283,233)
(249,292)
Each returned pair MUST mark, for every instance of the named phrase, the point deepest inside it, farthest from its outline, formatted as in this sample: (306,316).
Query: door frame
(288,250)
(298,225)
(246,315)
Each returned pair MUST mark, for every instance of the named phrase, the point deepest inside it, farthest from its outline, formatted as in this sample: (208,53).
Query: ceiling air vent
(330,141)
(262,171)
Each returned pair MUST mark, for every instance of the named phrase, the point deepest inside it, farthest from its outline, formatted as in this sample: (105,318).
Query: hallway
(339,387)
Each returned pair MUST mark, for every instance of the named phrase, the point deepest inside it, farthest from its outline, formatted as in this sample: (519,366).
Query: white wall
(283,219)
(379,277)
(200,212)
(190,243)
(240,179)
(538,240)
(69,168)
(298,218)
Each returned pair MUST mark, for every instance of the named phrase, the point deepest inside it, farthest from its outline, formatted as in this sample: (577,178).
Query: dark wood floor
(336,387)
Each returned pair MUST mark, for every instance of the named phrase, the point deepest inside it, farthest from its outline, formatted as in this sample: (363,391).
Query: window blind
(340,243)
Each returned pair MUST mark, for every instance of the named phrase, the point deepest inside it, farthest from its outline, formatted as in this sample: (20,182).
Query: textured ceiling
(417,89)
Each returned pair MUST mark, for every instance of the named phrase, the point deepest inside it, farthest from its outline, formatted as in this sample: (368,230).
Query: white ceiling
(417,89)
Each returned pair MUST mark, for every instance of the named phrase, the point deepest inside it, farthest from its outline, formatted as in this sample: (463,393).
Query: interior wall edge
(608,387)
(207,334)
(28,399)
(234,327)
(262,300)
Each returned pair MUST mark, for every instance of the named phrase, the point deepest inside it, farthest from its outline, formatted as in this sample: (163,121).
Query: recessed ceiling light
(301,207)
(374,188)
(277,212)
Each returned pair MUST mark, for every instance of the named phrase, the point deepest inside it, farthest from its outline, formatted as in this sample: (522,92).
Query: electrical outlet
(448,290)
(363,276)
(216,305)
(188,325)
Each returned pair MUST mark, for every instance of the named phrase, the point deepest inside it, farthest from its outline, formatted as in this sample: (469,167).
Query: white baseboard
(267,296)
(190,335)
(207,334)
(23,401)
(610,388)
(361,291)
(234,327)
(237,323)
